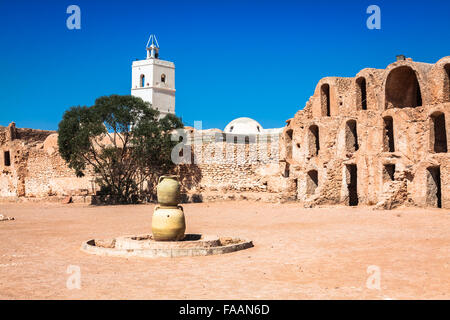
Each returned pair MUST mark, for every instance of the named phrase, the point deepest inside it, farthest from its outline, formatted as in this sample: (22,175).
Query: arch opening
(434,191)
(351,136)
(325,100)
(438,133)
(361,93)
(312,182)
(142,81)
(352,184)
(403,89)
(447,83)
(389,172)
(289,137)
(313,140)
(388,137)
(7,158)
(286,170)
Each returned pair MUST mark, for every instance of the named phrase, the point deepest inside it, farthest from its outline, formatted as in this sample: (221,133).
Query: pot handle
(168,176)
(159,207)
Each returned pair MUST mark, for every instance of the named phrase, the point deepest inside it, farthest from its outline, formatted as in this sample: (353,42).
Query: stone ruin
(31,167)
(378,139)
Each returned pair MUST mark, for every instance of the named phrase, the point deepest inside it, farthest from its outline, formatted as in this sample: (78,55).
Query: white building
(245,126)
(153,79)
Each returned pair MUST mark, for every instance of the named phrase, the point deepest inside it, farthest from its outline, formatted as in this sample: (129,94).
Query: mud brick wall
(38,171)
(380,138)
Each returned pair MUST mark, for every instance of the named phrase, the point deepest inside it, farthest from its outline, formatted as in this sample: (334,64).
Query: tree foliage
(122,140)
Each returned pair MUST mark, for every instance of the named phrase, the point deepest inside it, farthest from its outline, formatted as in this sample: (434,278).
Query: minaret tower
(153,79)
(153,49)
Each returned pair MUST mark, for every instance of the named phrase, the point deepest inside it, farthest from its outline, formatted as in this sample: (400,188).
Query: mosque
(153,80)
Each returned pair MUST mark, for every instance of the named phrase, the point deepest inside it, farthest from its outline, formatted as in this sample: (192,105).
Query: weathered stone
(336,150)
(353,130)
(67,200)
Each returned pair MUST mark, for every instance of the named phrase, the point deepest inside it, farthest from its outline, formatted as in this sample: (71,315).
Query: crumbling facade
(225,166)
(380,138)
(32,168)
(220,167)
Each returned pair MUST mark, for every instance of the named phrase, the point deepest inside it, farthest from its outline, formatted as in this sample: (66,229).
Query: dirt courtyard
(321,253)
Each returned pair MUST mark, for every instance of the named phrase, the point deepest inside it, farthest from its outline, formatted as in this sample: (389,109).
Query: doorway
(434,190)
(352,184)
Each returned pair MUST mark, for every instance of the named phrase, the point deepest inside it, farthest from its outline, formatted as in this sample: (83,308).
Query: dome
(243,126)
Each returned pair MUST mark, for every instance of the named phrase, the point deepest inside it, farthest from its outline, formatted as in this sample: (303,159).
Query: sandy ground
(299,253)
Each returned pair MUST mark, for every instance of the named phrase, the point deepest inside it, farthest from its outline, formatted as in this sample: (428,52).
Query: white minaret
(153,79)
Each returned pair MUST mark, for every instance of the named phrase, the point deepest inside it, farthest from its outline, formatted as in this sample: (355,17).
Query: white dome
(243,126)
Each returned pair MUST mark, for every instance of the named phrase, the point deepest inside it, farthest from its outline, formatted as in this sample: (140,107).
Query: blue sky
(260,59)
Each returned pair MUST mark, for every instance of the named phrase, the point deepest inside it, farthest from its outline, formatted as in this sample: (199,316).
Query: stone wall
(379,138)
(226,166)
(48,174)
(37,170)
(381,123)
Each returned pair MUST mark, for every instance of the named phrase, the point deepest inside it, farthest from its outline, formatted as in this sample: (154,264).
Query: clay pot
(168,191)
(168,223)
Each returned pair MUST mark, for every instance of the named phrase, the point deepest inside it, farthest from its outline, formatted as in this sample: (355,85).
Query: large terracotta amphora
(168,223)
(168,191)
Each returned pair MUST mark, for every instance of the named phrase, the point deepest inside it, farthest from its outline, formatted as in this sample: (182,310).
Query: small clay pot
(168,191)
(168,223)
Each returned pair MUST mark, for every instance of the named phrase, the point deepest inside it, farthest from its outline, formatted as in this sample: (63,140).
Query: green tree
(122,141)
